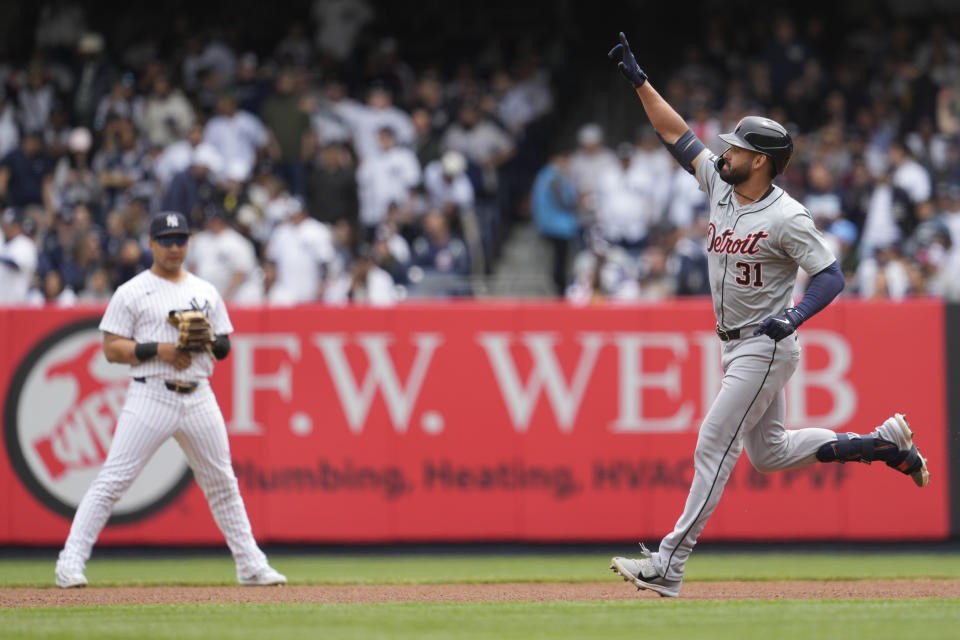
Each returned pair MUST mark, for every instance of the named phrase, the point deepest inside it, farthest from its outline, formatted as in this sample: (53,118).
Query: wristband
(221,347)
(145,350)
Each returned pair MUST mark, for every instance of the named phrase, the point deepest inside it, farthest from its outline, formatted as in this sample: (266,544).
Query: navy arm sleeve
(823,288)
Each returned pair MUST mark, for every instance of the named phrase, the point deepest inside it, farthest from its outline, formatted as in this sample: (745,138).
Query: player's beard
(734,175)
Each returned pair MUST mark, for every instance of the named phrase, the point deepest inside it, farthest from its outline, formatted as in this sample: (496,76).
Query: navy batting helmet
(765,136)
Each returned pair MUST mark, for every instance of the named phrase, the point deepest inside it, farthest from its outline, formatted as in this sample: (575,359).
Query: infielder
(757,237)
(169,395)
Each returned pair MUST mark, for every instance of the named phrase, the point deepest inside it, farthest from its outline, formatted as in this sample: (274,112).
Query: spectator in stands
(856,103)
(385,178)
(909,175)
(364,283)
(224,258)
(236,134)
(53,292)
(9,127)
(626,202)
(390,249)
(98,287)
(250,86)
(603,273)
(884,275)
(167,114)
(120,164)
(483,142)
(177,156)
(285,114)
(686,261)
(890,216)
(651,158)
(368,120)
(26,174)
(74,181)
(427,142)
(555,212)
(18,259)
(441,262)
(121,103)
(332,185)
(330,124)
(36,99)
(589,162)
(823,200)
(193,189)
(302,250)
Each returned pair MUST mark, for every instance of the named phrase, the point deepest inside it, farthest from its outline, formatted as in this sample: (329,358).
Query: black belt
(735,334)
(173,385)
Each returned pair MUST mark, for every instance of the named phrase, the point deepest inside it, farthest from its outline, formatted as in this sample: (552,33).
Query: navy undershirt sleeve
(823,288)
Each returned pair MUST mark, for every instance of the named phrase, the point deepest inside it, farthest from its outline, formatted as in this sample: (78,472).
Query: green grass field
(661,618)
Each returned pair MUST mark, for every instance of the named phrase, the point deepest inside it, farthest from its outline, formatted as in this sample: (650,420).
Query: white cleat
(71,579)
(643,574)
(909,462)
(265,577)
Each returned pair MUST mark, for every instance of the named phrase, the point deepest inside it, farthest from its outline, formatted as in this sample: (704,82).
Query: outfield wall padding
(480,422)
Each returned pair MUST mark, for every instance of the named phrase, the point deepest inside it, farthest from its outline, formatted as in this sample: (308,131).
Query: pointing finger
(623,41)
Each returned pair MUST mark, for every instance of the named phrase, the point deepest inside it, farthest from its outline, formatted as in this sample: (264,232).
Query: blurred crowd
(314,172)
(876,126)
(328,168)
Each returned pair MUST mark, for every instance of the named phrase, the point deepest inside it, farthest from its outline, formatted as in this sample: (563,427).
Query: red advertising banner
(470,422)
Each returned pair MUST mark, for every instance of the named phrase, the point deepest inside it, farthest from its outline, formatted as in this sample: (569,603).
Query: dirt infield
(505,592)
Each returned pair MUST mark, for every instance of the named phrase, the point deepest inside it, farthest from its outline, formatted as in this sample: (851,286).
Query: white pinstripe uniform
(152,414)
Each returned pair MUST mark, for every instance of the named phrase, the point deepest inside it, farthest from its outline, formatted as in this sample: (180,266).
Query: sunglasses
(168,241)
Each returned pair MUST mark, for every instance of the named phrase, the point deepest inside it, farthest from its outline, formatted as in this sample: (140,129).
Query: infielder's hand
(779,327)
(169,353)
(628,64)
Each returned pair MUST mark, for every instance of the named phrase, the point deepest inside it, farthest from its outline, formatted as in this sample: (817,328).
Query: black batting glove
(779,327)
(628,66)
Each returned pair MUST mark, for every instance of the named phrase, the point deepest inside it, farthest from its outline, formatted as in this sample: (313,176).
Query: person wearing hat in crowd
(18,259)
(450,190)
(301,248)
(74,181)
(169,396)
(591,160)
(448,187)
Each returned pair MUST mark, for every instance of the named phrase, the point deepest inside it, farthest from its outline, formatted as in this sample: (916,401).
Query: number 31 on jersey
(751,274)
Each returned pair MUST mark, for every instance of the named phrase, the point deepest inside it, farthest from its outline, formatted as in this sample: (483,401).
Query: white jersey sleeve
(218,315)
(706,173)
(800,239)
(119,318)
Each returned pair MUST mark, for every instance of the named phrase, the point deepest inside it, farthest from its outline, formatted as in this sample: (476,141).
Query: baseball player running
(169,395)
(757,237)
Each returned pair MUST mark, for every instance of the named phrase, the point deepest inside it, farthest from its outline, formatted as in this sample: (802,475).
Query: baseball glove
(196,332)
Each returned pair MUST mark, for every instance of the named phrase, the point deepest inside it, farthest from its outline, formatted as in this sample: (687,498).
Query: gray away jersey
(139,308)
(753,250)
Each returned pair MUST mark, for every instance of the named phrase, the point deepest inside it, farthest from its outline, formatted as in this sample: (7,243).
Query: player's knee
(111,489)
(764,465)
